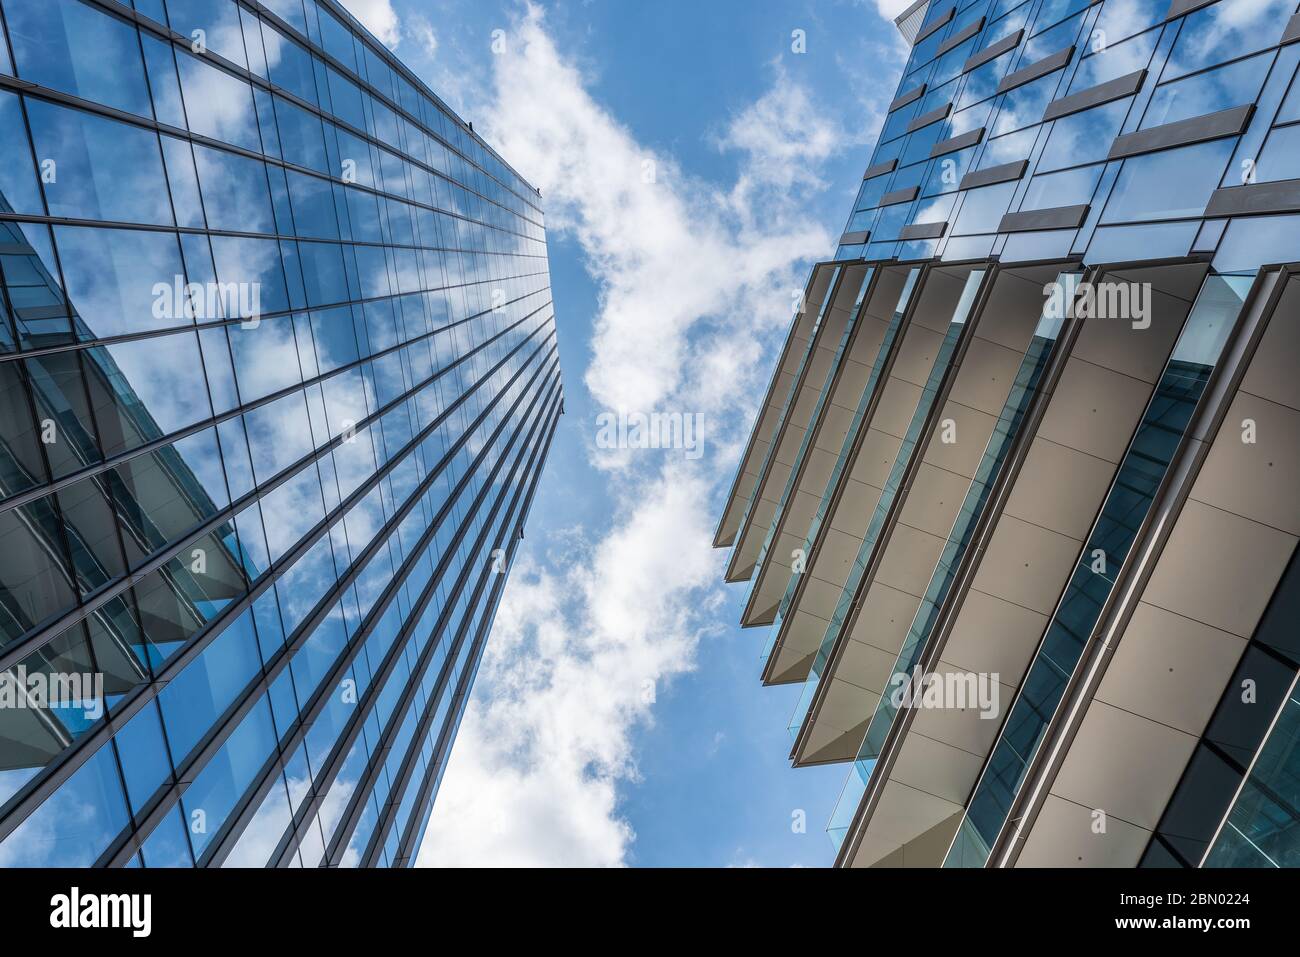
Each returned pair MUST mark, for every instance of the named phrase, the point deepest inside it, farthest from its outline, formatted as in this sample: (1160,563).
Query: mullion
(40,788)
(325,777)
(434,771)
(161,803)
(342,839)
(22,646)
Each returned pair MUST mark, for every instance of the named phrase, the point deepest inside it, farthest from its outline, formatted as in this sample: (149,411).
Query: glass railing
(1263,827)
(891,332)
(822,398)
(1149,456)
(892,484)
(1023,390)
(789,400)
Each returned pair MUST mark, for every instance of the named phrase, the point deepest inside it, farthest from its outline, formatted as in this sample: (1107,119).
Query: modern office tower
(1019,510)
(278,374)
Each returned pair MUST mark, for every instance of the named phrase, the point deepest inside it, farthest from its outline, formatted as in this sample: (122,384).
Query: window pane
(1168,185)
(111,275)
(289,64)
(1280,158)
(235,196)
(50,47)
(75,825)
(1224,31)
(18,191)
(217,19)
(102,169)
(206,687)
(1221,89)
(217,104)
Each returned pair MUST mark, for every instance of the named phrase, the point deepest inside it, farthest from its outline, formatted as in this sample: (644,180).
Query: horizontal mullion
(442,748)
(36,791)
(11,656)
(113,461)
(328,772)
(348,823)
(193,763)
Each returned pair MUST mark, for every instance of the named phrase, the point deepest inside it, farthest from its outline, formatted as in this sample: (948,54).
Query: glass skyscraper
(1019,510)
(278,376)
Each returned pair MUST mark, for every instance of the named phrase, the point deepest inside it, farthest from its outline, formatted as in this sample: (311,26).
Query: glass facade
(1140,477)
(279,375)
(1131,144)
(1055,121)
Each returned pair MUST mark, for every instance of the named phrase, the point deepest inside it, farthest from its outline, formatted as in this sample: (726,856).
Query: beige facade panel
(833,555)
(1104,387)
(830,432)
(769,416)
(1213,579)
(927,509)
(813,378)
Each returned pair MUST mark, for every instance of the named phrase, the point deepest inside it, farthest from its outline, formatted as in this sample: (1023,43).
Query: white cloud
(422,30)
(783,137)
(379,17)
(695,283)
(889,9)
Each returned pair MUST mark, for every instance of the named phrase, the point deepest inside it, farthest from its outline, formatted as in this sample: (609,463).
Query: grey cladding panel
(994,174)
(1027,74)
(1095,96)
(993,51)
(1198,129)
(1060,217)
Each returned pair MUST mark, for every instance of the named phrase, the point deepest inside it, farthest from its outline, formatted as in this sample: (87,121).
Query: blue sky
(693,166)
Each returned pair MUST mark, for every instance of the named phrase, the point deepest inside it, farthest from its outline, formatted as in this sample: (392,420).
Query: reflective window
(163,81)
(50,40)
(18,190)
(982,82)
(1280,158)
(1224,31)
(142,752)
(1084,137)
(1024,105)
(101,169)
(1168,185)
(1054,11)
(151,378)
(168,845)
(1221,89)
(213,24)
(1121,19)
(1070,188)
(217,103)
(75,825)
(291,12)
(234,189)
(302,139)
(265,357)
(1115,60)
(1007,149)
(208,685)
(982,209)
(313,206)
(337,40)
(122,280)
(289,64)
(223,779)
